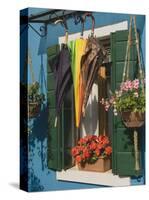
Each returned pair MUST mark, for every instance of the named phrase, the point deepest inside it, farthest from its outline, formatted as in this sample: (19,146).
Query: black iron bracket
(49,17)
(42,29)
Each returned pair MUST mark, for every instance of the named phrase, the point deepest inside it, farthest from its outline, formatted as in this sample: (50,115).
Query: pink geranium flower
(135,84)
(130,96)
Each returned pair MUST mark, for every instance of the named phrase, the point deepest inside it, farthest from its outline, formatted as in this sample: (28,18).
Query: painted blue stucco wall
(40,177)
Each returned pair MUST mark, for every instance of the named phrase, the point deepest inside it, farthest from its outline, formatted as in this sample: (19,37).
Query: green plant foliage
(130,97)
(34,94)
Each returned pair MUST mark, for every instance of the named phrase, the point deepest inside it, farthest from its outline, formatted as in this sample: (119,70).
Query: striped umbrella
(77,51)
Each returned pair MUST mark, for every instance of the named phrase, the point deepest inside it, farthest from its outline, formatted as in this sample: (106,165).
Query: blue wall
(40,177)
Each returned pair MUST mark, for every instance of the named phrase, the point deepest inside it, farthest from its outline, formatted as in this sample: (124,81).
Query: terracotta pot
(34,109)
(133,119)
(101,165)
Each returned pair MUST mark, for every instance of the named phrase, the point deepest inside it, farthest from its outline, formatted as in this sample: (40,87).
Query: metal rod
(43,14)
(52,20)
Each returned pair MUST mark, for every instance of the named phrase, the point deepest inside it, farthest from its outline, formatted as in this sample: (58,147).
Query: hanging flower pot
(133,119)
(128,102)
(34,109)
(35,99)
(92,153)
(129,99)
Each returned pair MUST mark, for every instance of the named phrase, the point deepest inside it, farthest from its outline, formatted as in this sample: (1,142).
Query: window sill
(97,178)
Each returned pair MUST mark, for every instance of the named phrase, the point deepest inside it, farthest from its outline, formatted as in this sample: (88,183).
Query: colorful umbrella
(77,51)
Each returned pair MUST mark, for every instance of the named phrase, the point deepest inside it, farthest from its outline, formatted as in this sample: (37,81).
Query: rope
(127,50)
(137,165)
(139,56)
(31,67)
(141,76)
(42,79)
(127,56)
(129,45)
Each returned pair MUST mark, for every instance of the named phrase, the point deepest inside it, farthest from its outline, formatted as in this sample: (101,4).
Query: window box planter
(101,165)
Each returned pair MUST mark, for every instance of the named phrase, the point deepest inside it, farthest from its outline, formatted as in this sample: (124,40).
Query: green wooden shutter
(123,159)
(60,138)
(67,130)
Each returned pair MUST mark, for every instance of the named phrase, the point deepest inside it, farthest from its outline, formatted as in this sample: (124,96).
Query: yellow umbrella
(77,51)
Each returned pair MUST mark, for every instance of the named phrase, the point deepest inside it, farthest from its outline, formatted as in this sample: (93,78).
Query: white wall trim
(99,32)
(97,178)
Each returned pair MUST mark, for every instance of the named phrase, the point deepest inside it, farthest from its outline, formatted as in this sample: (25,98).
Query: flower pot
(34,109)
(133,119)
(101,165)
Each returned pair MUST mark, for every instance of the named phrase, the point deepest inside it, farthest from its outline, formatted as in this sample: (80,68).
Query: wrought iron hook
(79,19)
(93,21)
(82,26)
(63,22)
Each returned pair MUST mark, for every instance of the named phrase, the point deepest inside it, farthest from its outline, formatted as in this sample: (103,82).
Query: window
(63,137)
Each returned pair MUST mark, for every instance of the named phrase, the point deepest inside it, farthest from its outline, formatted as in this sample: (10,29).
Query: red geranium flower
(78,159)
(89,146)
(100,146)
(103,139)
(81,141)
(75,151)
(100,138)
(93,146)
(80,148)
(106,140)
(88,138)
(108,150)
(97,151)
(86,153)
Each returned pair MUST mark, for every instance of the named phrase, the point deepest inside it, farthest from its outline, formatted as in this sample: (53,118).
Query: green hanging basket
(35,97)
